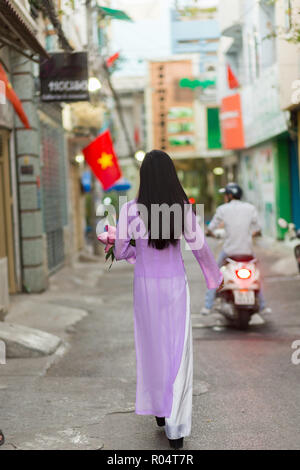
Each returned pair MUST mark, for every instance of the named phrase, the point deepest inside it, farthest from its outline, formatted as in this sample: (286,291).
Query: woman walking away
(163,336)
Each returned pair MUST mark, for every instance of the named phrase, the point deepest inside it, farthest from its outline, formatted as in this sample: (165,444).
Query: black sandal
(2,438)
(160,421)
(176,443)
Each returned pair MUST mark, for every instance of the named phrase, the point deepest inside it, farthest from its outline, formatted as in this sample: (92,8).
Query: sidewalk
(55,312)
(281,254)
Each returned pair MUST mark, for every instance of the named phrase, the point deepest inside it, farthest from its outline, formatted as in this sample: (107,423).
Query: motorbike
(238,300)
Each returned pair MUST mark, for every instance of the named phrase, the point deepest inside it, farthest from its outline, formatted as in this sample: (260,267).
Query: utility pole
(93,55)
(116,98)
(97,250)
(131,147)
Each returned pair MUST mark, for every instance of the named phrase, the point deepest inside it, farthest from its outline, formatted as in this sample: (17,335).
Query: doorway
(6,211)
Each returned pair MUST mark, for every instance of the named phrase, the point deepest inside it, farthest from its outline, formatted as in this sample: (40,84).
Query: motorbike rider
(241,225)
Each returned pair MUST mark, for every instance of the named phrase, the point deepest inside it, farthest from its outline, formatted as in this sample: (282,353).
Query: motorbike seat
(241,258)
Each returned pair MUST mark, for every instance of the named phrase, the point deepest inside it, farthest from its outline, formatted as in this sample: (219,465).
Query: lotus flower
(108,237)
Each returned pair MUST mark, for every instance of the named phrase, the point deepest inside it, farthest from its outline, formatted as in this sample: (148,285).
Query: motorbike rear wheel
(242,318)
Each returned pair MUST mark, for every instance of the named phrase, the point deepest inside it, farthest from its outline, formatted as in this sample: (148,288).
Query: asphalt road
(246,389)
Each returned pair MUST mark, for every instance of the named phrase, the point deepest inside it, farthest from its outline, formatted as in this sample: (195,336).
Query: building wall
(28,171)
(195,35)
(288,55)
(229,13)
(10,272)
(265,178)
(6,109)
(257,178)
(7,235)
(295,181)
(265,65)
(76,199)
(74,23)
(173,110)
(53,183)
(128,104)
(38,164)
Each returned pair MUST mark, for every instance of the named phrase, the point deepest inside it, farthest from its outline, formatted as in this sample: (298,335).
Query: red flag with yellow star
(101,157)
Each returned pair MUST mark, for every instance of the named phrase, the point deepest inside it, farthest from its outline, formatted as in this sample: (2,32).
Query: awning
(16,33)
(121,185)
(116,14)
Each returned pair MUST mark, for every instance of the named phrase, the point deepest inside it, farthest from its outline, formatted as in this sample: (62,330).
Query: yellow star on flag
(105,160)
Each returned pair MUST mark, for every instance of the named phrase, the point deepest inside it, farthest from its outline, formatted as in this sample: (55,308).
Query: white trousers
(180,422)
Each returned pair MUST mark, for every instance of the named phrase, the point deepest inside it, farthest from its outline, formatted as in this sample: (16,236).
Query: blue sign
(86,181)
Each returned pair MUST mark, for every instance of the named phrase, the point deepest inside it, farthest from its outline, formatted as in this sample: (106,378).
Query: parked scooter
(297,250)
(292,235)
(238,300)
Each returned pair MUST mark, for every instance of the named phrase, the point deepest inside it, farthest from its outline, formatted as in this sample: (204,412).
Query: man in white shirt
(241,225)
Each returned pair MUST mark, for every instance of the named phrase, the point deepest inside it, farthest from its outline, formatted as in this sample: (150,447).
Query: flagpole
(97,249)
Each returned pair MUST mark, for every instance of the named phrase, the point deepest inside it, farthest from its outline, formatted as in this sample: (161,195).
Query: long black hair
(159,184)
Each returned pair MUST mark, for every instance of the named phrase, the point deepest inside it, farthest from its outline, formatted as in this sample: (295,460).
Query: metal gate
(53,174)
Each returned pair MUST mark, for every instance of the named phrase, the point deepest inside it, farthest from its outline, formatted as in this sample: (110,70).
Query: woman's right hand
(221,286)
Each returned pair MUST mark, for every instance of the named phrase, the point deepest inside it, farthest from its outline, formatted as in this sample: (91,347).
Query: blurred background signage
(64,77)
(232,122)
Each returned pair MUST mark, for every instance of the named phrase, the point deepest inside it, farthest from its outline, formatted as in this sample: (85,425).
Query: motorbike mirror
(282,223)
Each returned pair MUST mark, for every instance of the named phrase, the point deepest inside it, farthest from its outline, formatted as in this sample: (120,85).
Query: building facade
(22,243)
(287,14)
(37,229)
(184,116)
(254,120)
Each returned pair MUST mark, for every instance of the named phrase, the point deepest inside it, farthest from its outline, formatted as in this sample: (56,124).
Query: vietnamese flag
(13,98)
(232,80)
(101,157)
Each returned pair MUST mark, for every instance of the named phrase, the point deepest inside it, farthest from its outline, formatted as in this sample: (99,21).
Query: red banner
(101,157)
(13,98)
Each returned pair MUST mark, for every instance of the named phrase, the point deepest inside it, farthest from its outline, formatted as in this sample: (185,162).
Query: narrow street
(246,390)
(165,102)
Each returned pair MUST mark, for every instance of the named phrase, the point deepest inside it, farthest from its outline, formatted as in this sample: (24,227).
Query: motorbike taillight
(243,273)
